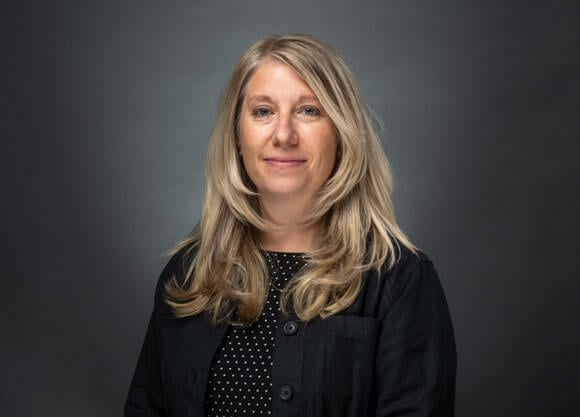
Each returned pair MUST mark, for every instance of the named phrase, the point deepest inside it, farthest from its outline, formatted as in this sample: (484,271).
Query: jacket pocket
(184,395)
(339,364)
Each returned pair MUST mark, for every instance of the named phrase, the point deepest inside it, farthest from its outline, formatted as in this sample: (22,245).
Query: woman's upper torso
(391,352)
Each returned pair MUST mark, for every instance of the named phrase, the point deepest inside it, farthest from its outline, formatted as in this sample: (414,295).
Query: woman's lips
(284,162)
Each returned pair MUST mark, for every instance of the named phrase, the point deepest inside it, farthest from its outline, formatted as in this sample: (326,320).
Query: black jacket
(391,353)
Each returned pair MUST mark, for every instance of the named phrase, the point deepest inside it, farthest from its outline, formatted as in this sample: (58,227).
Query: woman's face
(287,142)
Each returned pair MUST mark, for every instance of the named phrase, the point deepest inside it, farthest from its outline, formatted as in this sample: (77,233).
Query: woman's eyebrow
(268,99)
(308,98)
(265,98)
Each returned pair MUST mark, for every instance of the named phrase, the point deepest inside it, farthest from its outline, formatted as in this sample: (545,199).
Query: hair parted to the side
(227,277)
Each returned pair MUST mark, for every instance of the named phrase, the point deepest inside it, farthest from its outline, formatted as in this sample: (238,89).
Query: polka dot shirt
(240,378)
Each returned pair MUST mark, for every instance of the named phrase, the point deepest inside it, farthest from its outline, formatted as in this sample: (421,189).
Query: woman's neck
(290,238)
(292,233)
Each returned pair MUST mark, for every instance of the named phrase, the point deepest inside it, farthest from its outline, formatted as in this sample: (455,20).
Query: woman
(297,294)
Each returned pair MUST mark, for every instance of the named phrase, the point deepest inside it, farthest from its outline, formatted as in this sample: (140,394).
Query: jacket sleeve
(145,397)
(416,357)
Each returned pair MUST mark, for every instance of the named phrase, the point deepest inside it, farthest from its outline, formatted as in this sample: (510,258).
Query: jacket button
(290,327)
(285,392)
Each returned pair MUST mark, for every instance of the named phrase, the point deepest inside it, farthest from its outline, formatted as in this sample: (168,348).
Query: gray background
(106,112)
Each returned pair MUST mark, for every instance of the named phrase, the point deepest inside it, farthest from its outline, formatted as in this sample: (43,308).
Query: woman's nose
(285,133)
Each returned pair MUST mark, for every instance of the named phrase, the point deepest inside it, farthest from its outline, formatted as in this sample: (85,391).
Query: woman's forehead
(272,79)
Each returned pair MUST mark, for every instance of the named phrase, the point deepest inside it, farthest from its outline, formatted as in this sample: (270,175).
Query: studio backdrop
(107,108)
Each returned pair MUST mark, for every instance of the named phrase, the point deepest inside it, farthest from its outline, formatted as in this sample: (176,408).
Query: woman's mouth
(284,162)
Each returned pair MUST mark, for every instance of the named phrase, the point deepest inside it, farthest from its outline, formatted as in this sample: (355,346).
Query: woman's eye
(261,112)
(310,111)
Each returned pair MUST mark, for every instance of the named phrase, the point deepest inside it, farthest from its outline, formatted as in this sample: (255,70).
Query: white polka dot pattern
(240,379)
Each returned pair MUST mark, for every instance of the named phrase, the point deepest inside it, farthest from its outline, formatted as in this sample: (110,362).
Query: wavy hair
(227,275)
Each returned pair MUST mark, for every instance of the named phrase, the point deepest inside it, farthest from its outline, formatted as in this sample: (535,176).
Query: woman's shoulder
(176,268)
(180,260)
(402,261)
(412,272)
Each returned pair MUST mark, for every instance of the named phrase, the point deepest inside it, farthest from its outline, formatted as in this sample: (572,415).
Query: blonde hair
(228,276)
